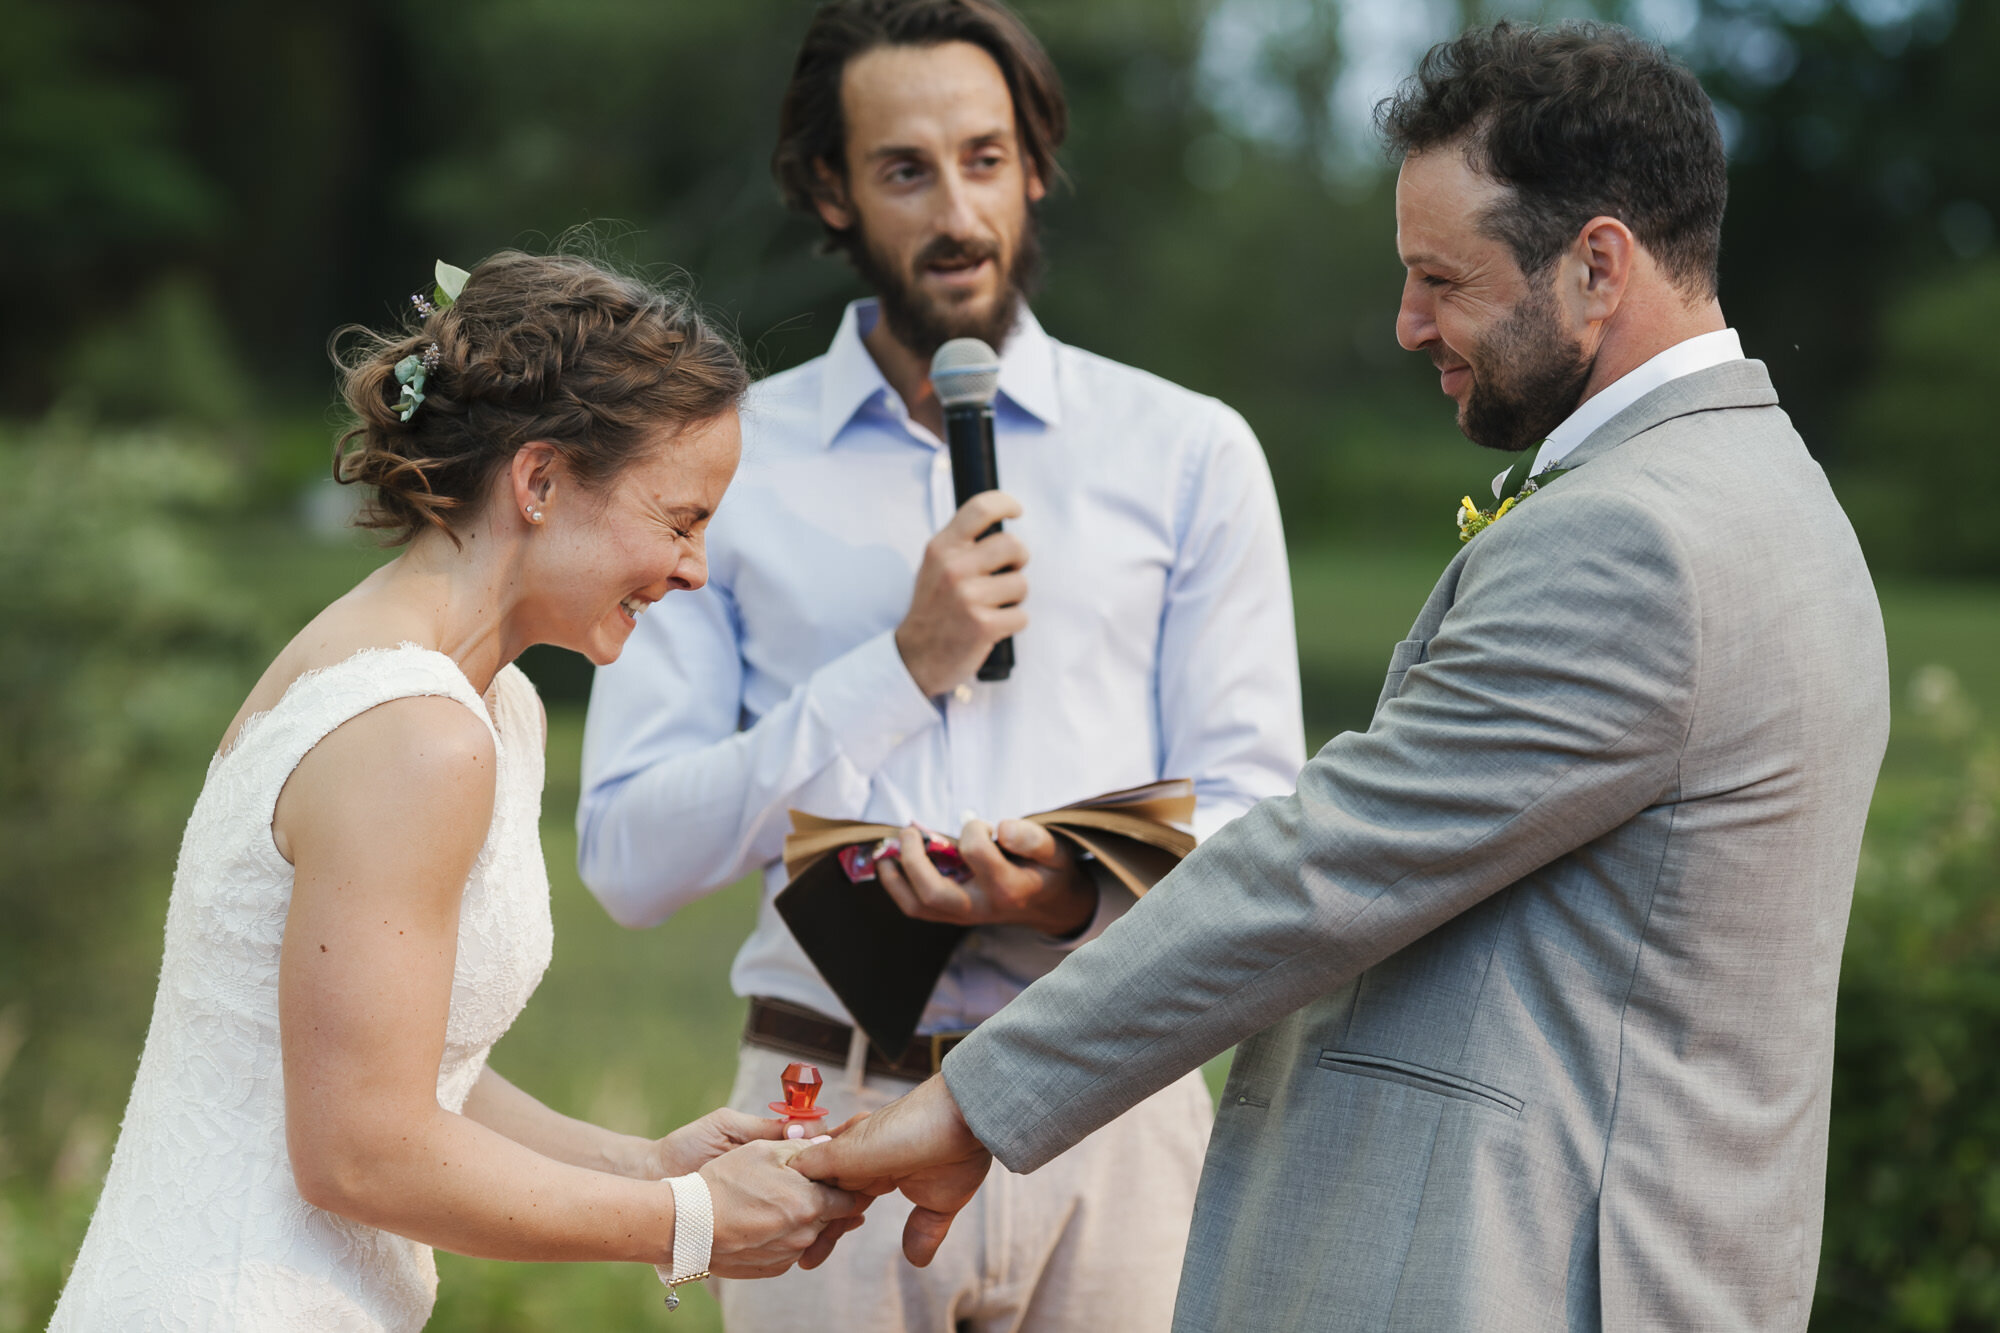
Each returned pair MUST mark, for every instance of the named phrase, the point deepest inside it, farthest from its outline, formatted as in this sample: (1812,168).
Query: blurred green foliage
(127,644)
(1913,1181)
(1929,504)
(271,172)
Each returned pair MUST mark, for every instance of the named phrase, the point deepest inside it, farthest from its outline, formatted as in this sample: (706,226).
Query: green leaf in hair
(450,282)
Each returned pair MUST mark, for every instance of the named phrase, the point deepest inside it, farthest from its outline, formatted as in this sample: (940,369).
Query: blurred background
(193,193)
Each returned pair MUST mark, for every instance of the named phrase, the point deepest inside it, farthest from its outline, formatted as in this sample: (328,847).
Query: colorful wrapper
(859,860)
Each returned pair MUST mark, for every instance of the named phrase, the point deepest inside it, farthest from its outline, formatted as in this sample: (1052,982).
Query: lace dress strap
(271,744)
(517,708)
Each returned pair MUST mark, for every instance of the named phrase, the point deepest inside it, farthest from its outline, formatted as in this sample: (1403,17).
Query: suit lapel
(1732,384)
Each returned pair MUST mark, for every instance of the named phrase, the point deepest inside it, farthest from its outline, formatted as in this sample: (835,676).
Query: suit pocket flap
(1417,1076)
(1406,655)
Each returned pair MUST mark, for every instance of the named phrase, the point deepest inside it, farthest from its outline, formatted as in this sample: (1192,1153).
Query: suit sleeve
(1551,707)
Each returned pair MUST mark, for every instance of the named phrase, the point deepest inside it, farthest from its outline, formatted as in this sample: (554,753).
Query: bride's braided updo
(536,347)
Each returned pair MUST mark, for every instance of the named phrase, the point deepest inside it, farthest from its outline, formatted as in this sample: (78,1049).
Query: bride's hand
(767,1215)
(700,1142)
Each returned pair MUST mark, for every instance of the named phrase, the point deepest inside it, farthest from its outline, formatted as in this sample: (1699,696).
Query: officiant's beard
(922,324)
(1526,379)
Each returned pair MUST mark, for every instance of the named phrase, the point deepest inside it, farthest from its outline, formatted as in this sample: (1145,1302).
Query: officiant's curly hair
(535,347)
(812,129)
(1579,120)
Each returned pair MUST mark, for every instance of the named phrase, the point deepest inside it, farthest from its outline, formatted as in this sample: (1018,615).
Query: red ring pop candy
(802,1084)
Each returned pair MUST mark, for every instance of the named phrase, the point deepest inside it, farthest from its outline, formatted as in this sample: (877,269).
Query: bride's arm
(498,1104)
(505,1109)
(383,820)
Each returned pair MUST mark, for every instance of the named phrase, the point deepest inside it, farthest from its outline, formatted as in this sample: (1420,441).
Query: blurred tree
(97,185)
(659,118)
(1228,226)
(169,356)
(1924,475)
(1860,162)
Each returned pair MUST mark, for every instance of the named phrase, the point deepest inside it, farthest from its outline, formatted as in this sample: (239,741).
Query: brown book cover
(884,965)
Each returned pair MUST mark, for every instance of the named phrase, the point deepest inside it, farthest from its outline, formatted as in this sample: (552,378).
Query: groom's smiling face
(1505,348)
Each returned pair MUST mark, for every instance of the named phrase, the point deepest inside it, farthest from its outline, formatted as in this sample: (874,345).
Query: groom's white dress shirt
(1160,644)
(1683,358)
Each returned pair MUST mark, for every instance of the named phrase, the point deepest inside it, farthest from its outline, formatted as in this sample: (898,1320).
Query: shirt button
(963,694)
(966,817)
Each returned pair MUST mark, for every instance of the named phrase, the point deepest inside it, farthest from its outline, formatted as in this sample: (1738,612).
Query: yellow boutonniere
(1472,520)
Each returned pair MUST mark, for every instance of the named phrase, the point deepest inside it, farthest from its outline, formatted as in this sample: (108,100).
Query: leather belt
(796,1030)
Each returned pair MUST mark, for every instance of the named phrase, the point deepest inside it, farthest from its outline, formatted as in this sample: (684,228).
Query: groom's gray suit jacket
(1541,966)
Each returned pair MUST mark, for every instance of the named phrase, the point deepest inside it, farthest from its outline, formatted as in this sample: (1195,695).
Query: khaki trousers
(1091,1243)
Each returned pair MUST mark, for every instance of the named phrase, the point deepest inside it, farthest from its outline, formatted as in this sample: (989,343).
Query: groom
(1535,977)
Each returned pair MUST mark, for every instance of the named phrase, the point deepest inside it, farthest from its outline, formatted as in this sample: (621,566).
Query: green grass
(1352,606)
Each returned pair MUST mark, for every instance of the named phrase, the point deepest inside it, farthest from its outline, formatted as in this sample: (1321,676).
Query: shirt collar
(1683,358)
(851,379)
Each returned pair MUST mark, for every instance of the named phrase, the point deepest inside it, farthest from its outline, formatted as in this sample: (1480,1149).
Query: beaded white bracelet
(694,1235)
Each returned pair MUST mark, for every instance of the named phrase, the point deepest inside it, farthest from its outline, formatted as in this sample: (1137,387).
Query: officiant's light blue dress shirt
(1160,644)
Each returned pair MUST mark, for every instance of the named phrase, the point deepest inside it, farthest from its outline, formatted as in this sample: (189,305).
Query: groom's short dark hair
(812,128)
(1578,120)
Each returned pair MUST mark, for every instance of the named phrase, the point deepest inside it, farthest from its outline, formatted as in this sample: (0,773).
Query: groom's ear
(1600,268)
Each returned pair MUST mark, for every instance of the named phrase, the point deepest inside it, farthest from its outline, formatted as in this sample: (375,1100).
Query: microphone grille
(965,371)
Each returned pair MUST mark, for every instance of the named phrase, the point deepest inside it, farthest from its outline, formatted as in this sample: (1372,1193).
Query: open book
(884,965)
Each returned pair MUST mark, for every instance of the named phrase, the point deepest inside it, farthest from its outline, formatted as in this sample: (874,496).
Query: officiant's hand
(699,1142)
(1027,877)
(968,595)
(918,1144)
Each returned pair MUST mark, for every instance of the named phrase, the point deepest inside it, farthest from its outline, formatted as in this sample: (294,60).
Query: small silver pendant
(673,1301)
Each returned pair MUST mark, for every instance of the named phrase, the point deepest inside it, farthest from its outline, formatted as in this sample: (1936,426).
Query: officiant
(831,664)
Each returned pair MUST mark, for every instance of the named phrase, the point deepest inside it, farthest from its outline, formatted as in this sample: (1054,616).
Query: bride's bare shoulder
(354,623)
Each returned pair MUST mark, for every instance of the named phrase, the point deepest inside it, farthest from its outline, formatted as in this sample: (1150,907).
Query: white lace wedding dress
(200,1225)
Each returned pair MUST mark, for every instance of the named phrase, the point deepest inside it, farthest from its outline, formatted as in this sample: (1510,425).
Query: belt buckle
(938,1047)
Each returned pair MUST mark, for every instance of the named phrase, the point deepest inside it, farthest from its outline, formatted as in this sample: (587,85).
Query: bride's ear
(533,477)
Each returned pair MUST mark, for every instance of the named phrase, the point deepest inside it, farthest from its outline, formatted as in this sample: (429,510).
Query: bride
(360,907)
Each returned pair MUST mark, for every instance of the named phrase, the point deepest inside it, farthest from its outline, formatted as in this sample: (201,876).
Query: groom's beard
(922,324)
(1526,380)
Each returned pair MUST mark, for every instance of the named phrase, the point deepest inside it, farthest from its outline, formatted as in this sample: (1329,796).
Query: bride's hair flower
(556,348)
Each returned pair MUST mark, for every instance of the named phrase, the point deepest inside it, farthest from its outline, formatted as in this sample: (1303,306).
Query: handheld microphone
(965,373)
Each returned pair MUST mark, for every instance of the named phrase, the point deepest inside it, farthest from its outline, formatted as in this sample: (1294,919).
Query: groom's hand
(1025,877)
(918,1144)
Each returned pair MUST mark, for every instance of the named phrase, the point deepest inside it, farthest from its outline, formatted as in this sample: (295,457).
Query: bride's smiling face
(599,558)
